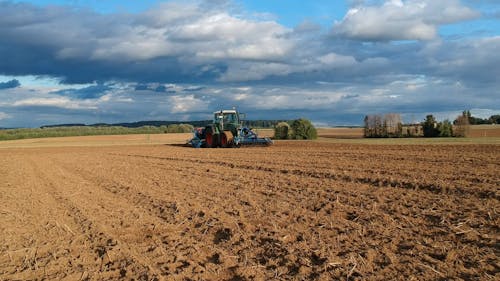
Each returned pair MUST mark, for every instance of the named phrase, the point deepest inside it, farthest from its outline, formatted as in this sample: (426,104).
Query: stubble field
(298,210)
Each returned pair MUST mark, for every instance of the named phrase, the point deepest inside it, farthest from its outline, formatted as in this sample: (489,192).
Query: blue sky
(329,61)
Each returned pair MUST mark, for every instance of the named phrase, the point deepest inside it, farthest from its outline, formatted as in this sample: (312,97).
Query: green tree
(430,127)
(445,129)
(282,131)
(303,129)
(494,119)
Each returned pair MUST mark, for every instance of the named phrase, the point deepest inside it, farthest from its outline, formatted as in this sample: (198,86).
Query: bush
(445,129)
(173,128)
(282,131)
(186,128)
(303,129)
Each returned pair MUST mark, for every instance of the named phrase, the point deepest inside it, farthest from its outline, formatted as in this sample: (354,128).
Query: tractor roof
(226,111)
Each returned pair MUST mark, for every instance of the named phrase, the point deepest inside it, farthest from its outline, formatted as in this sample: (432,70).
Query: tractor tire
(209,139)
(226,139)
(212,138)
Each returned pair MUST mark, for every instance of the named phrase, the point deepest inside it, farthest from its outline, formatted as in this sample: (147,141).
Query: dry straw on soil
(293,211)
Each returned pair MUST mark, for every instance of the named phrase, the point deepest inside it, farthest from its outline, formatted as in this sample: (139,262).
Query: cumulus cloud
(401,20)
(4,115)
(9,84)
(183,60)
(172,41)
(471,61)
(61,102)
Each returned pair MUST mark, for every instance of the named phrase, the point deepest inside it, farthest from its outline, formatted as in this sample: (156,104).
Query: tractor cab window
(218,117)
(230,118)
(226,118)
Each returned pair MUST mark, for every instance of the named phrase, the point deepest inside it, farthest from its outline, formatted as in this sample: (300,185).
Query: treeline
(264,123)
(141,127)
(66,131)
(493,119)
(134,124)
(200,123)
(391,126)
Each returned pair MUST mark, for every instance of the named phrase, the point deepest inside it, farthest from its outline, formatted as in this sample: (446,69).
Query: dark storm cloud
(203,43)
(171,43)
(90,92)
(185,60)
(9,84)
(81,46)
(141,87)
(161,89)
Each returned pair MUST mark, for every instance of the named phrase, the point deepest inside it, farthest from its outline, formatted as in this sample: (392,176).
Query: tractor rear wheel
(211,137)
(226,139)
(209,140)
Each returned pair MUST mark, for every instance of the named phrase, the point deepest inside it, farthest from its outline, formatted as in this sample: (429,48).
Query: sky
(332,62)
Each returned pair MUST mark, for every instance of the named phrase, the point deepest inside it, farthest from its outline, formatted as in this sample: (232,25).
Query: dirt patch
(292,211)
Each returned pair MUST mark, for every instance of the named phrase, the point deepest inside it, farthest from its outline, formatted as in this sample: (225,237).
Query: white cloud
(402,20)
(218,58)
(61,102)
(337,60)
(183,30)
(187,104)
(4,115)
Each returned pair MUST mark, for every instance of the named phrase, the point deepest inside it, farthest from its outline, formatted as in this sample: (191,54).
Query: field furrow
(293,211)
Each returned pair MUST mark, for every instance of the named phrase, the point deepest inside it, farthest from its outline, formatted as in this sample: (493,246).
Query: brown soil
(482,131)
(293,211)
(347,133)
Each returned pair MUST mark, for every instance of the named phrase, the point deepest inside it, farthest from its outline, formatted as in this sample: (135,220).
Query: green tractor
(227,130)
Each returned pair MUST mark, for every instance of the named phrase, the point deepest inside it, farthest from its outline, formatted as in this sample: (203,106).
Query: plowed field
(293,211)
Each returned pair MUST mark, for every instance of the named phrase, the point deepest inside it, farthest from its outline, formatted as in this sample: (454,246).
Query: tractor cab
(228,120)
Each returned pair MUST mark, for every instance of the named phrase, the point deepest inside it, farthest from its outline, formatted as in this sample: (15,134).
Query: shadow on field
(178,145)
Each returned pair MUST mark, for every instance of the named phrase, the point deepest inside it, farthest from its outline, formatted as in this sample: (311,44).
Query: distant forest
(202,123)
(142,127)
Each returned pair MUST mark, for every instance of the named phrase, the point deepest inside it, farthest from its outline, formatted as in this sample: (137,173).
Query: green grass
(30,133)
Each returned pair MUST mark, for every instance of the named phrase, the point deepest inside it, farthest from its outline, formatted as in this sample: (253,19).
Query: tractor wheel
(211,137)
(226,139)
(209,140)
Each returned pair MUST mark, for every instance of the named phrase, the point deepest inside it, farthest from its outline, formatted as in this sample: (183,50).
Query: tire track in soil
(325,192)
(218,230)
(431,217)
(409,238)
(375,182)
(28,245)
(162,209)
(117,260)
(168,251)
(267,248)
(352,216)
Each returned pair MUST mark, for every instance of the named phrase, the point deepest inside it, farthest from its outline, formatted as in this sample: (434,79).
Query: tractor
(227,130)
